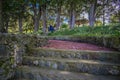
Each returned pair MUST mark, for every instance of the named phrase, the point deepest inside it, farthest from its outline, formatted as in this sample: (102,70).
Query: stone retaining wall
(99,68)
(110,56)
(12,48)
(6,68)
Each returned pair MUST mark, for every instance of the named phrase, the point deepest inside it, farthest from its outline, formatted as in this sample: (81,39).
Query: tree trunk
(103,13)
(36,18)
(58,18)
(119,17)
(103,18)
(36,23)
(6,25)
(2,30)
(44,19)
(20,24)
(92,13)
(72,16)
(118,1)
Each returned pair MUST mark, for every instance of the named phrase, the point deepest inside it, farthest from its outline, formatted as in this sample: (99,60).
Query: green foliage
(88,31)
(14,10)
(64,26)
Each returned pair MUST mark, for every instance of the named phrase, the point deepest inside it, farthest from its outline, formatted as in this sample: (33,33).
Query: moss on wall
(13,47)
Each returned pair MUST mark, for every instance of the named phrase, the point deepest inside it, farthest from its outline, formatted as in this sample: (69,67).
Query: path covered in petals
(57,44)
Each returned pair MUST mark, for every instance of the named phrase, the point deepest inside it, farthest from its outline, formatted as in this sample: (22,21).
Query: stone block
(3,50)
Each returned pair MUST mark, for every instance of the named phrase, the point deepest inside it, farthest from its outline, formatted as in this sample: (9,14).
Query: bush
(89,31)
(64,26)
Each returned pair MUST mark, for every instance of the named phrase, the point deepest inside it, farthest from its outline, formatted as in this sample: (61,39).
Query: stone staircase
(56,64)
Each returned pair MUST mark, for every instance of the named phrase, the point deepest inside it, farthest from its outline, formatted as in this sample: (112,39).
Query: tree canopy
(36,15)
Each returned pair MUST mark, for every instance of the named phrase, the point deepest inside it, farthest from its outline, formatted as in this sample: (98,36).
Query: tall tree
(8,12)
(115,17)
(92,11)
(13,10)
(36,9)
(37,15)
(73,6)
(117,2)
(104,9)
(102,5)
(44,18)
(59,4)
(44,5)
(56,5)
(72,15)
(58,17)
(20,14)
(1,17)
(103,12)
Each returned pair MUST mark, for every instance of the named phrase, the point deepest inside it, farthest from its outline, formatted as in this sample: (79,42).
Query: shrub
(89,31)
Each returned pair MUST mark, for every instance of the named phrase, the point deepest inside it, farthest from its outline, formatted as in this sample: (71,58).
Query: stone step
(75,65)
(110,56)
(35,73)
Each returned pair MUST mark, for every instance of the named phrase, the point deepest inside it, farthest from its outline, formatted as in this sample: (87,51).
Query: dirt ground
(57,44)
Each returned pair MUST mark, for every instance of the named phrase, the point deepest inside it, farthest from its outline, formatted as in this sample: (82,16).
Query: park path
(58,44)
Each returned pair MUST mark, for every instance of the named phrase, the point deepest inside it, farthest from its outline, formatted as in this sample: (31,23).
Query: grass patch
(89,31)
